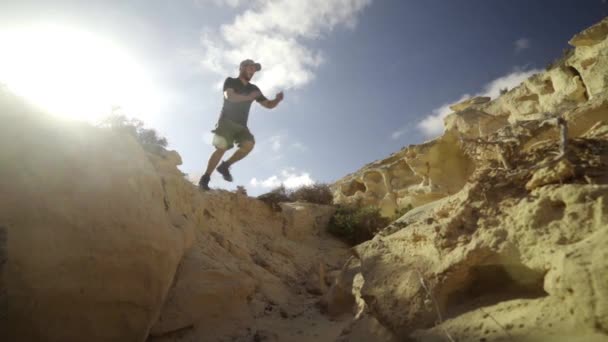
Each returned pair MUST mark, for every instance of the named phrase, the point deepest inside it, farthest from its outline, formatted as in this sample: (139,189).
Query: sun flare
(73,73)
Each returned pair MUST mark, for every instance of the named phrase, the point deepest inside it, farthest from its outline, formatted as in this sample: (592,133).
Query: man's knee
(220,151)
(247,145)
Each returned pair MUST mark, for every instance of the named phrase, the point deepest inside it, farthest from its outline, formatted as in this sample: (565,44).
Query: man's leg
(244,148)
(215,158)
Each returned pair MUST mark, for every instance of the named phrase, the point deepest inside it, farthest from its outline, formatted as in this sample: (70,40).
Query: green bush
(402,211)
(356,224)
(315,193)
(149,139)
(275,196)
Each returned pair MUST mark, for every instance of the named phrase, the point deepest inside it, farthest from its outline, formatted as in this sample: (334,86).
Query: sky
(362,78)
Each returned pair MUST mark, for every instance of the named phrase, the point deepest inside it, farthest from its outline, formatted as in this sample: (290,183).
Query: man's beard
(246,76)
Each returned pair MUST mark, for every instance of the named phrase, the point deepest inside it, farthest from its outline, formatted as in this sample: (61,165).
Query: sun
(74,73)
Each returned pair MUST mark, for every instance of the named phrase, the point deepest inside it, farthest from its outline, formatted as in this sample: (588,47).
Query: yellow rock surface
(511,248)
(102,241)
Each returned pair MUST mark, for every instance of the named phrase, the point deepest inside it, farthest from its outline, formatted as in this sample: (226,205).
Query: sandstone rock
(401,180)
(499,264)
(592,35)
(577,79)
(494,249)
(206,298)
(472,123)
(305,220)
(91,250)
(367,328)
(109,243)
(557,173)
(460,106)
(584,117)
(513,253)
(247,264)
(408,178)
(340,299)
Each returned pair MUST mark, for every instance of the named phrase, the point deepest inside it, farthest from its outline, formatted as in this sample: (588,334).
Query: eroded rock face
(500,259)
(102,241)
(514,250)
(91,249)
(590,59)
(249,264)
(408,178)
(420,174)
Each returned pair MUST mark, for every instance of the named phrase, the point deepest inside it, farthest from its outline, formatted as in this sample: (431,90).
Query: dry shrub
(148,138)
(356,224)
(275,196)
(315,193)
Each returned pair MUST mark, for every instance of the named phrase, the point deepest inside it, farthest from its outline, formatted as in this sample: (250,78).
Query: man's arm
(273,103)
(231,96)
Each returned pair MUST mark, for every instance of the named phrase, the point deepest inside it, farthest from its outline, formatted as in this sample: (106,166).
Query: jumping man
(232,124)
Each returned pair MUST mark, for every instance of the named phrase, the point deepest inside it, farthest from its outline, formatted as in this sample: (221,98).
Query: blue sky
(362,78)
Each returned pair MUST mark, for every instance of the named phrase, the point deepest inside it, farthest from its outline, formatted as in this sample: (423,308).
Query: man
(232,124)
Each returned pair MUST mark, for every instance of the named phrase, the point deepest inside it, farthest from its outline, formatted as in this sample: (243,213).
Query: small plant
(149,139)
(240,189)
(402,211)
(315,193)
(356,224)
(503,91)
(275,196)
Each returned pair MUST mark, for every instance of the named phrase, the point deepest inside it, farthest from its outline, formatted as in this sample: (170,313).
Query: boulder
(91,250)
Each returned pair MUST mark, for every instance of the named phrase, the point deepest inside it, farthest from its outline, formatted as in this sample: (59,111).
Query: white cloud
(270,182)
(275,33)
(275,142)
(521,44)
(289,177)
(508,81)
(299,146)
(229,3)
(397,134)
(280,142)
(402,131)
(432,125)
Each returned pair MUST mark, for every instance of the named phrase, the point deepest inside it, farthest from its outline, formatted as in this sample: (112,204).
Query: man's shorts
(228,132)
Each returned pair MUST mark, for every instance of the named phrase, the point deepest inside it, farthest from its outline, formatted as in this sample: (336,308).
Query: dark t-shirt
(239,111)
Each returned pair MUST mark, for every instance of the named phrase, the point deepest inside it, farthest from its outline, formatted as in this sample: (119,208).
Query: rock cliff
(103,241)
(420,174)
(506,238)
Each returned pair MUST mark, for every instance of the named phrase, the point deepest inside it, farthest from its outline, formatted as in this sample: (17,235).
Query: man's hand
(271,104)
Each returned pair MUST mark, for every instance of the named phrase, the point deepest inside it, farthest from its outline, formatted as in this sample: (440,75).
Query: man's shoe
(224,169)
(203,184)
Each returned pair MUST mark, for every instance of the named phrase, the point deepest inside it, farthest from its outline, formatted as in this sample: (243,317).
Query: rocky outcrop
(91,250)
(409,178)
(512,248)
(103,241)
(249,266)
(419,174)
